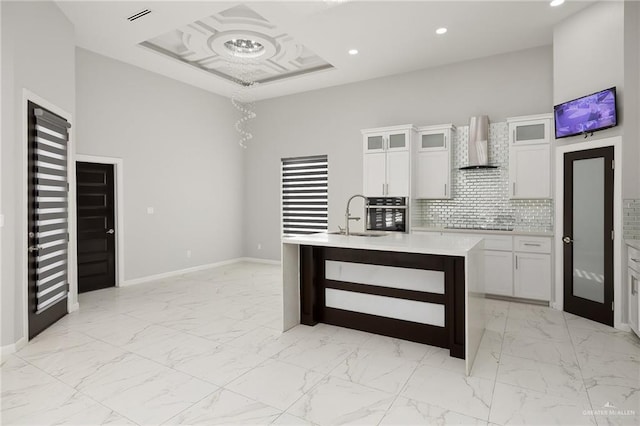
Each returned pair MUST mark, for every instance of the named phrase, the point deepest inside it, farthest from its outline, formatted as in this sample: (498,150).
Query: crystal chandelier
(243,54)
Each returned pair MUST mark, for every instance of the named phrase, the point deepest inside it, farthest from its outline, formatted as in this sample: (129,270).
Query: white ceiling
(392,37)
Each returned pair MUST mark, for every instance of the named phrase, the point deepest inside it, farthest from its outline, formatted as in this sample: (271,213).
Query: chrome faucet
(347,215)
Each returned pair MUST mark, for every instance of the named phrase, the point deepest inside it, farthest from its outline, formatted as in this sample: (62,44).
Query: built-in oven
(387,214)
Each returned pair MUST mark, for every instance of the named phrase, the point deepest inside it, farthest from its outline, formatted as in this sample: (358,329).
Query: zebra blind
(304,195)
(49,208)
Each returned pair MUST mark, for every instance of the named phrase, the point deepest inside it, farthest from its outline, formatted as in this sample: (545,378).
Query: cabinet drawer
(498,242)
(491,241)
(633,258)
(533,244)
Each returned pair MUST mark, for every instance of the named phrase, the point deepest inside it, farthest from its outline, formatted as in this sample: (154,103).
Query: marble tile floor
(205,348)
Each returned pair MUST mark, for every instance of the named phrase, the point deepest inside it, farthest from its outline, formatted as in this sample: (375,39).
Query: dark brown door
(48,237)
(588,234)
(96,226)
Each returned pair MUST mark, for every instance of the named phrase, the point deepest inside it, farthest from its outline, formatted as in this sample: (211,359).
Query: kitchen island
(422,288)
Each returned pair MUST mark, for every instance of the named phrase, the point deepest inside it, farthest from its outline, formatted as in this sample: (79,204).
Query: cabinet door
(397,174)
(530,171)
(432,175)
(498,272)
(433,140)
(532,276)
(374,143)
(634,309)
(527,132)
(398,141)
(374,174)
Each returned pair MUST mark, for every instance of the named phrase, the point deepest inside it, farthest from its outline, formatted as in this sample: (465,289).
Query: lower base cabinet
(532,276)
(634,309)
(498,272)
(515,266)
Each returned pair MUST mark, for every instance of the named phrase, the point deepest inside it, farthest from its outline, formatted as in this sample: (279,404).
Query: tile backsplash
(481,197)
(631,219)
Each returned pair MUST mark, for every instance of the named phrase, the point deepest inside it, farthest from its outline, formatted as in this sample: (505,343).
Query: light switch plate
(1,221)
(150,210)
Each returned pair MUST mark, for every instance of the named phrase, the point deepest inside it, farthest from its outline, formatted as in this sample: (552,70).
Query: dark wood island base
(314,284)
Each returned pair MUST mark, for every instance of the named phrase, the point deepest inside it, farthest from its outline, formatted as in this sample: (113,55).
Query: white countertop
(446,245)
(633,243)
(483,231)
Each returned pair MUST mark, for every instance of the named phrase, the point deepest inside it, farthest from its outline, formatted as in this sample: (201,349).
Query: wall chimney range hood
(478,149)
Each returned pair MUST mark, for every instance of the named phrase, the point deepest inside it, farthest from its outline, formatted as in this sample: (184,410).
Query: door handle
(567,240)
(111,231)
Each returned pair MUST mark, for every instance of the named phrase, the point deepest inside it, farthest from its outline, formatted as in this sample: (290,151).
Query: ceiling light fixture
(353,51)
(441,30)
(555,3)
(245,48)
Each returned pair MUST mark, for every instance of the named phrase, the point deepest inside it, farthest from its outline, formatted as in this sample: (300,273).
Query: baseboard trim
(13,347)
(624,327)
(179,272)
(258,260)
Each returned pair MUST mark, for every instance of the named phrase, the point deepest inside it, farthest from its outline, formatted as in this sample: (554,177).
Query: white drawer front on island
(385,276)
(533,244)
(389,307)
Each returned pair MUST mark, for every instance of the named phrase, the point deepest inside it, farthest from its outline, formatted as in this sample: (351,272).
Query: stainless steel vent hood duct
(478,152)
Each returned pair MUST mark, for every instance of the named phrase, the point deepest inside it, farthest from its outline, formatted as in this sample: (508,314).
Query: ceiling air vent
(138,15)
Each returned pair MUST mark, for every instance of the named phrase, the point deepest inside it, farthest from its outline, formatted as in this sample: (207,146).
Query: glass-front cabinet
(432,162)
(530,157)
(532,129)
(386,161)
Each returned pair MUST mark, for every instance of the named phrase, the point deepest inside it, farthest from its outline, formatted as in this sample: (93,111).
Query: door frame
(23,221)
(118,188)
(618,298)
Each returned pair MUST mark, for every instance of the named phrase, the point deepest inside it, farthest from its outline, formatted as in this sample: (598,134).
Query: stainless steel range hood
(478,149)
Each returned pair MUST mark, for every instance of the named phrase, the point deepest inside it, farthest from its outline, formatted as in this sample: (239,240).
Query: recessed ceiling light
(353,51)
(555,3)
(441,30)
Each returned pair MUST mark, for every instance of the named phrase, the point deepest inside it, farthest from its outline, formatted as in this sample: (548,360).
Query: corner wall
(181,157)
(38,49)
(329,121)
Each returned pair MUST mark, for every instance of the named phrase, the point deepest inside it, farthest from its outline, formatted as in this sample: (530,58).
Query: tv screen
(586,114)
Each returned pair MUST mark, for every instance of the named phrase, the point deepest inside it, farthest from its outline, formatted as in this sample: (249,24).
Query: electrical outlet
(189,253)
(259,246)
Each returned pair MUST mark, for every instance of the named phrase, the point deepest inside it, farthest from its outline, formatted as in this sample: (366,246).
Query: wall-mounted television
(586,114)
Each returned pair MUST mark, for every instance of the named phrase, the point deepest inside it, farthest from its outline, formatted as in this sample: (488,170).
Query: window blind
(304,195)
(49,207)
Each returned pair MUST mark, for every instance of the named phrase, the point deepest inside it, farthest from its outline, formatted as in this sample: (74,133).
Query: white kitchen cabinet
(517,266)
(532,267)
(634,308)
(387,161)
(530,157)
(633,278)
(498,272)
(531,129)
(433,157)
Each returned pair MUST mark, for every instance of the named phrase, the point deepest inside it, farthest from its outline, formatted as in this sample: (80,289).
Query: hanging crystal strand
(241,99)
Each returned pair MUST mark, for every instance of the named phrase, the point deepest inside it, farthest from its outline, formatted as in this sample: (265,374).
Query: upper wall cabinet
(432,162)
(387,165)
(530,156)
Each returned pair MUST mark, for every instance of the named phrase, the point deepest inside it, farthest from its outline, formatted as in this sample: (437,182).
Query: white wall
(180,155)
(588,56)
(38,49)
(594,50)
(328,121)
